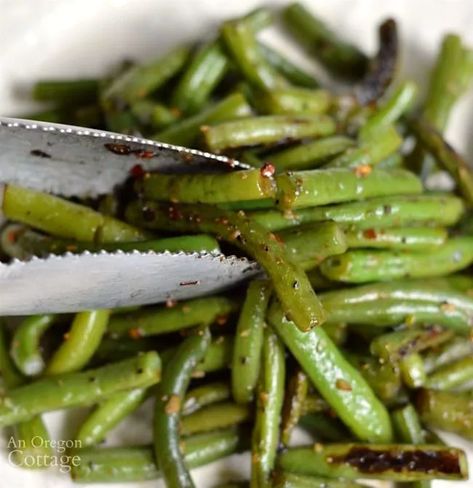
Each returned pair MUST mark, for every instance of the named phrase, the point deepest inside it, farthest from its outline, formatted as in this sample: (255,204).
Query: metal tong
(75,161)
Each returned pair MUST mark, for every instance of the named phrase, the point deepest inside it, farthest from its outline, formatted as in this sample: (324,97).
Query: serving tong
(79,162)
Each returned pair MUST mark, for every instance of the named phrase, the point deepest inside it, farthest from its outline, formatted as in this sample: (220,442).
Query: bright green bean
(452,375)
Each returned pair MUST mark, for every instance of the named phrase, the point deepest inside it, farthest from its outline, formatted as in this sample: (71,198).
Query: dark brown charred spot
(189,283)
(39,153)
(174,213)
(120,149)
(369,234)
(148,214)
(372,461)
(267,170)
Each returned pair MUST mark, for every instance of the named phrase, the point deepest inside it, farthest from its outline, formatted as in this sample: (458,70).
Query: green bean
(218,356)
(383,378)
(215,416)
(258,19)
(360,266)
(294,101)
(448,411)
(154,115)
(294,404)
(412,370)
(310,155)
(139,81)
(80,342)
(314,404)
(164,319)
(204,395)
(393,346)
(265,129)
(167,416)
(185,131)
(241,43)
(450,78)
(78,389)
(290,282)
(407,425)
(62,218)
(205,70)
(446,156)
(235,186)
(381,212)
(394,160)
(457,348)
(452,375)
(341,385)
(371,151)
(283,479)
(20,242)
(294,74)
(32,448)
(393,462)
(108,414)
(324,427)
(66,92)
(120,464)
(325,186)
(391,110)
(248,342)
(269,403)
(111,349)
(339,57)
(309,245)
(25,347)
(408,238)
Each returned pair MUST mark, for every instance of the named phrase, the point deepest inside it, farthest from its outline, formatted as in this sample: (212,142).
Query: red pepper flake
(343,385)
(174,213)
(267,170)
(145,154)
(137,171)
(363,170)
(369,234)
(173,405)
(135,333)
(276,237)
(12,236)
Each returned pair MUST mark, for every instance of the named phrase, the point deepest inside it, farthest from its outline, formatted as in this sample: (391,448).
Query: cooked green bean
(25,347)
(78,389)
(452,375)
(370,151)
(393,346)
(446,156)
(265,438)
(457,348)
(341,385)
(265,129)
(108,414)
(325,186)
(394,160)
(164,319)
(290,282)
(218,356)
(408,238)
(248,344)
(11,377)
(139,81)
(360,266)
(235,186)
(390,111)
(62,218)
(294,404)
(240,41)
(153,115)
(381,212)
(448,411)
(204,395)
(294,74)
(205,70)
(80,343)
(412,370)
(393,462)
(294,101)
(185,131)
(167,412)
(66,92)
(341,58)
(324,427)
(119,464)
(407,425)
(215,416)
(310,155)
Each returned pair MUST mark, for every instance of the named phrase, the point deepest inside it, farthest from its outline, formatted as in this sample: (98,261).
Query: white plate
(79,38)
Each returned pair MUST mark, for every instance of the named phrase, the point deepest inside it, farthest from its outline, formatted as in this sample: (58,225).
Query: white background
(80,38)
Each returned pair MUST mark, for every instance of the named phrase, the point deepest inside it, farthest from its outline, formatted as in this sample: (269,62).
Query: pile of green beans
(358,330)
